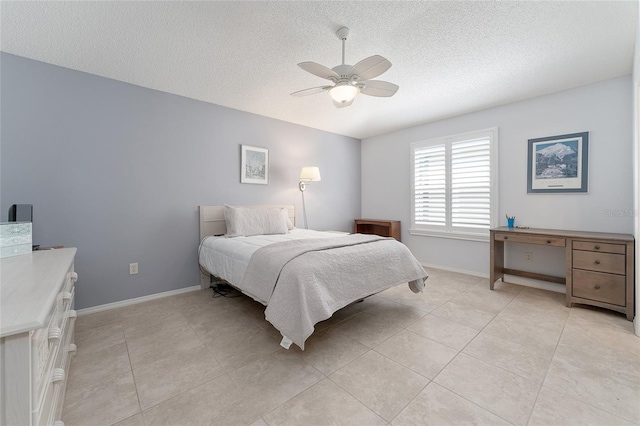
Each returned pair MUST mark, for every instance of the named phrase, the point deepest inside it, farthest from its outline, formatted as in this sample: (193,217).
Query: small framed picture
(254,166)
(558,164)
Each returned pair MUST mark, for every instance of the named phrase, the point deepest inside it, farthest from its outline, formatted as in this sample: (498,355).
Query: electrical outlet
(133,268)
(528,256)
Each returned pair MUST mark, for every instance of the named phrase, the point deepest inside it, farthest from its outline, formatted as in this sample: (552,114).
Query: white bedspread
(305,282)
(228,258)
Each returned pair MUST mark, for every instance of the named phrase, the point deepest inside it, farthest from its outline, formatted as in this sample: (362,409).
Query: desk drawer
(530,239)
(599,286)
(599,247)
(601,262)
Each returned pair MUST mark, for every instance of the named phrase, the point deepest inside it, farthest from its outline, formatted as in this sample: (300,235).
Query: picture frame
(254,165)
(558,164)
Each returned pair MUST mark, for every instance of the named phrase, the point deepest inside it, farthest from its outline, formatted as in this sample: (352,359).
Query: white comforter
(227,258)
(306,282)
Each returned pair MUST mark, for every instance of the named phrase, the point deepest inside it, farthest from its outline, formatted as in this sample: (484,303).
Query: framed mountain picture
(558,164)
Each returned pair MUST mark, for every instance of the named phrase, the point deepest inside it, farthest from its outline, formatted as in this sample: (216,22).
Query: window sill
(450,235)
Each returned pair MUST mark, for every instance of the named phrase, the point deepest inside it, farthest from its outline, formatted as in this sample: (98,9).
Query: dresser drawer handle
(506,238)
(58,375)
(597,247)
(597,262)
(597,286)
(548,241)
(54,333)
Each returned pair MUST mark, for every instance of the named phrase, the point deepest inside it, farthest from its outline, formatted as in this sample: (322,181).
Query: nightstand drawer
(530,239)
(601,262)
(599,286)
(599,247)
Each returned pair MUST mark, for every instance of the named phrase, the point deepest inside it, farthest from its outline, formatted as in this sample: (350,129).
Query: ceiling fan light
(343,92)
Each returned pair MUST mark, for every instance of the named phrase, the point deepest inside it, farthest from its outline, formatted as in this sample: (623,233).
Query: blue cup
(510,222)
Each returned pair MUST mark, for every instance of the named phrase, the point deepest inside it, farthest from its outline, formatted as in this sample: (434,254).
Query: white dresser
(36,335)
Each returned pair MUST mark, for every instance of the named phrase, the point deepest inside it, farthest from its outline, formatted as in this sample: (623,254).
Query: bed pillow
(244,221)
(289,224)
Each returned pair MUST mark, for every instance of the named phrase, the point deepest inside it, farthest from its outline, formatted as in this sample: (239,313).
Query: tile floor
(457,354)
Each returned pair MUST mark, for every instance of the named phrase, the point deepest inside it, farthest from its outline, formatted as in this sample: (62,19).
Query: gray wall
(117,170)
(604,109)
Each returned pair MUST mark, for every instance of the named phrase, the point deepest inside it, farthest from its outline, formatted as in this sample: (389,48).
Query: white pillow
(289,224)
(242,221)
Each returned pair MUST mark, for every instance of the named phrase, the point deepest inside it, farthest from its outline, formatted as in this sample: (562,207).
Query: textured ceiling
(448,57)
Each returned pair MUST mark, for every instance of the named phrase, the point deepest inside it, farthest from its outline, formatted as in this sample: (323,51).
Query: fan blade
(378,88)
(370,67)
(311,91)
(319,70)
(342,104)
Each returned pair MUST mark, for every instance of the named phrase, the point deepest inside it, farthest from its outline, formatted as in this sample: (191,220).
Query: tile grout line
(548,367)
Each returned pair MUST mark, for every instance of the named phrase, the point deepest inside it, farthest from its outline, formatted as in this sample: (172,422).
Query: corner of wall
(636,165)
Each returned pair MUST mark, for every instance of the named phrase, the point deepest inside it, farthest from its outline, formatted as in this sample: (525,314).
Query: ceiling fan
(349,80)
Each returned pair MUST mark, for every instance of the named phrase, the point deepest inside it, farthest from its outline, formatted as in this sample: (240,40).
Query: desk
(600,267)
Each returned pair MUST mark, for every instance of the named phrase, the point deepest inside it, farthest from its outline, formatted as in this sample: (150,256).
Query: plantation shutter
(454,185)
(471,183)
(430,186)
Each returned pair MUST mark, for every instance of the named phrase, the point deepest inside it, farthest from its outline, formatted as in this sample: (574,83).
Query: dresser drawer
(599,247)
(51,343)
(46,342)
(529,239)
(601,262)
(599,286)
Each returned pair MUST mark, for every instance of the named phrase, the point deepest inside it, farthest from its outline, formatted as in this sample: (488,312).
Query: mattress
(227,258)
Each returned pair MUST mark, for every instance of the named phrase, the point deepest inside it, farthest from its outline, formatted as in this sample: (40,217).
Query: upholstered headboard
(212,223)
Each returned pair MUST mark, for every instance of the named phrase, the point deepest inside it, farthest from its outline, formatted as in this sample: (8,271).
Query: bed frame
(212,223)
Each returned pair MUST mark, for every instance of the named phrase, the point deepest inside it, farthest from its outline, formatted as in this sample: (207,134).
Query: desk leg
(497,262)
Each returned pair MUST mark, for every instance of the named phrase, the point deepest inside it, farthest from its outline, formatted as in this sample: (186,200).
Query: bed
(301,276)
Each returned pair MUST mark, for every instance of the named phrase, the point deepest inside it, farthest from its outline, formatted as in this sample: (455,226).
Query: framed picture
(558,164)
(254,166)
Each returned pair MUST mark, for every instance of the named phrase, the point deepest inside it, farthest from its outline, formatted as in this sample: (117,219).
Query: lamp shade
(309,173)
(343,92)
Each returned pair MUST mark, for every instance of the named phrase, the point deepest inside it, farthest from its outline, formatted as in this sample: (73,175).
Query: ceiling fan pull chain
(343,41)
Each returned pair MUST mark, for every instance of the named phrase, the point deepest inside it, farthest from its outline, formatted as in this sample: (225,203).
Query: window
(454,185)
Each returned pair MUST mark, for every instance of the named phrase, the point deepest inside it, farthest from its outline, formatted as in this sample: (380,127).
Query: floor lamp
(308,174)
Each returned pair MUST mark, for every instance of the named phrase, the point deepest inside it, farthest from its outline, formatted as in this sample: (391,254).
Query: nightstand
(384,228)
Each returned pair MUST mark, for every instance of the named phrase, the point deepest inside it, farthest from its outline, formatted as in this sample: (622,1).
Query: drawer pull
(597,262)
(58,375)
(597,247)
(54,333)
(597,286)
(506,238)
(548,241)
(66,295)
(73,276)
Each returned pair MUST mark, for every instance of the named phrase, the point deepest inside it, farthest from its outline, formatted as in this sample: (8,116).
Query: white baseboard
(527,282)
(450,269)
(133,301)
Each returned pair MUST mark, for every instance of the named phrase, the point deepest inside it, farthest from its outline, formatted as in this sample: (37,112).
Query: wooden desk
(600,267)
